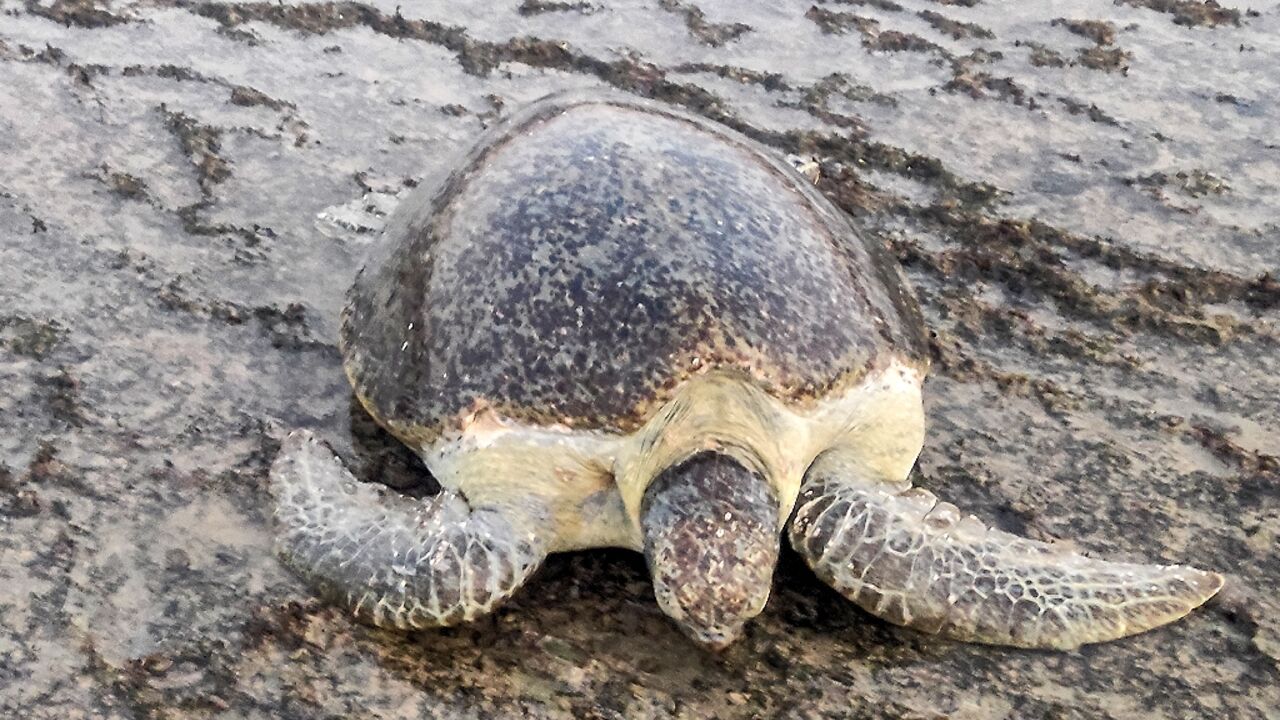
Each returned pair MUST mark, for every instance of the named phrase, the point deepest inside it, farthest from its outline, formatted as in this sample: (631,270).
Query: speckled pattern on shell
(592,253)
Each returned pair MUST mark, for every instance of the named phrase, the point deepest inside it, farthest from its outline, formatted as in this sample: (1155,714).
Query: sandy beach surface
(1086,196)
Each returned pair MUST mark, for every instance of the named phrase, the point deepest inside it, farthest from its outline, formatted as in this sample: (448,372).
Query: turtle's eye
(711,539)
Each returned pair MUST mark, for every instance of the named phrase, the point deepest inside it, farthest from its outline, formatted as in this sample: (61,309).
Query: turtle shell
(591,254)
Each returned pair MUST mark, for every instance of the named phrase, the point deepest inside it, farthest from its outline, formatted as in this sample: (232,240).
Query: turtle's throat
(711,540)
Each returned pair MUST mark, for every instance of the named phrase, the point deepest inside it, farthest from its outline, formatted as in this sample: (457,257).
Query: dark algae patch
(1093,250)
(1100,32)
(537,7)
(956,29)
(707,32)
(30,337)
(1191,12)
(1098,57)
(201,143)
(248,97)
(1042,56)
(837,23)
(81,13)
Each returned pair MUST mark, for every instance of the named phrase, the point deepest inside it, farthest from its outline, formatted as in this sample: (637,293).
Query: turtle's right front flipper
(396,561)
(905,557)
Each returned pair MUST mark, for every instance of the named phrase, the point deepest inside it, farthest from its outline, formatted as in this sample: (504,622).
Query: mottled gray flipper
(396,561)
(907,558)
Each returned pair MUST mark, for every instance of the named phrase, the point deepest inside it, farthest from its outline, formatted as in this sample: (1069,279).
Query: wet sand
(1085,195)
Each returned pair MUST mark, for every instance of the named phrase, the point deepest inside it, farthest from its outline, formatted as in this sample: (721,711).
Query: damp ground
(1086,197)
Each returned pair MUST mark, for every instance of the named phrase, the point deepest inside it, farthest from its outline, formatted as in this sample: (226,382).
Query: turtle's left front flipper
(907,558)
(393,560)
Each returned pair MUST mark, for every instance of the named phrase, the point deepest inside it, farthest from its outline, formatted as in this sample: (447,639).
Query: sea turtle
(620,325)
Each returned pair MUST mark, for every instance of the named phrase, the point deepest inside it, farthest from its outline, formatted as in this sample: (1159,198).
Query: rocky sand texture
(1085,194)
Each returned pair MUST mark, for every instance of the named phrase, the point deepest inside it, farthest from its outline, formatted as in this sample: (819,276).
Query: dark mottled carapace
(592,253)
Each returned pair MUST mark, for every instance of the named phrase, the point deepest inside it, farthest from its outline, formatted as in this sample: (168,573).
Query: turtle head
(711,539)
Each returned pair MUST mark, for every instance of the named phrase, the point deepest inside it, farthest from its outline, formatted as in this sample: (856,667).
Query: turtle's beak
(711,540)
(717,641)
